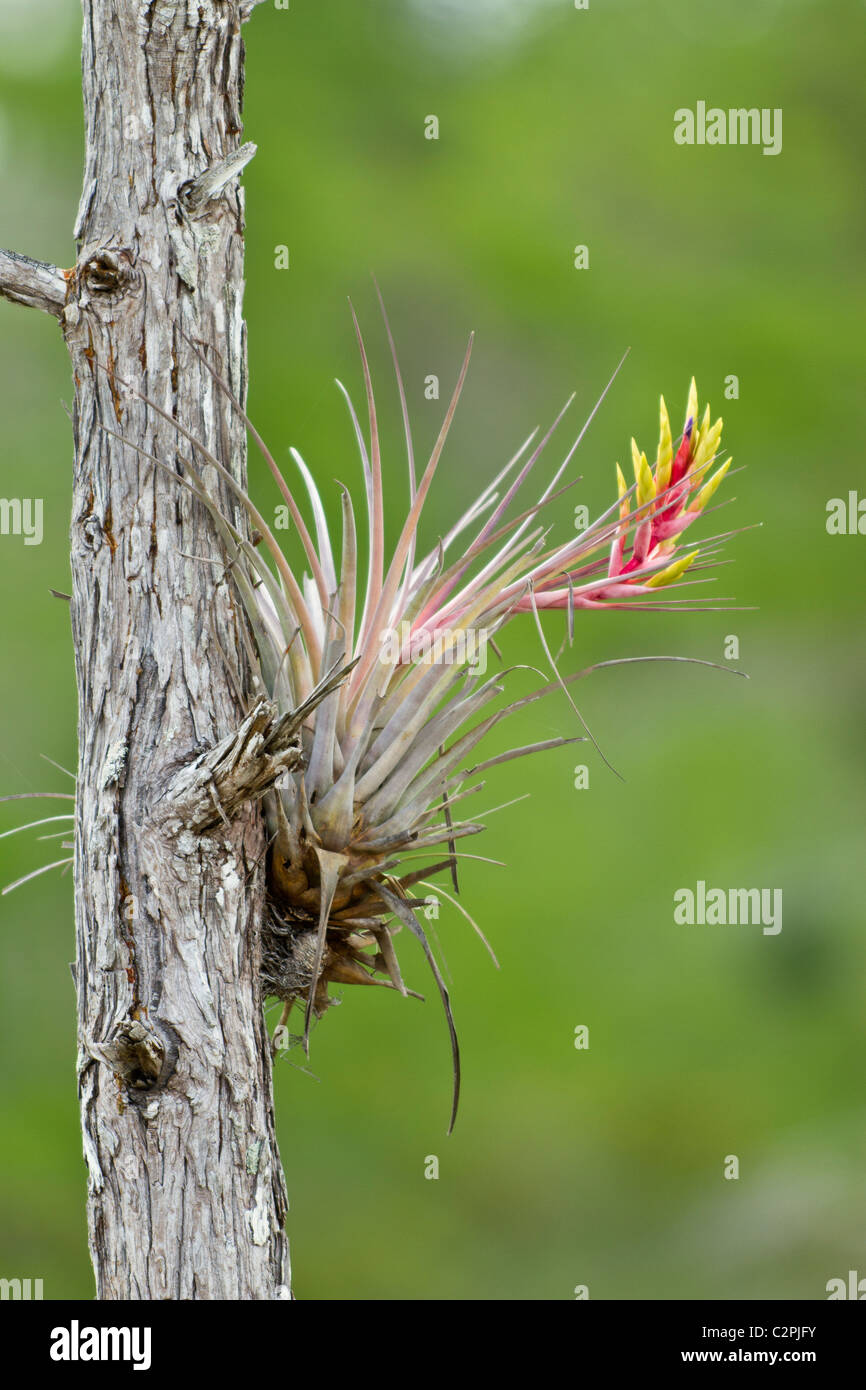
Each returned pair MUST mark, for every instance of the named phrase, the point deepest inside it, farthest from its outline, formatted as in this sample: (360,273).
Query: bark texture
(186,1194)
(32,283)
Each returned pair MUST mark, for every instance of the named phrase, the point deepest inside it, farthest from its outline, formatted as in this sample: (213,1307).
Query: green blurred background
(601,1167)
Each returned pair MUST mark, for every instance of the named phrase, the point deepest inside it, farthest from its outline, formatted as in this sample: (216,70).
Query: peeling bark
(186,1193)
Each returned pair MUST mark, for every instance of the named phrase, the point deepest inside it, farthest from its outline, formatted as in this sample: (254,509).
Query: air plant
(389,754)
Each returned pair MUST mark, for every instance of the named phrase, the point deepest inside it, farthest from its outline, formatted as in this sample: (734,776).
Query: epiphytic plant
(379,675)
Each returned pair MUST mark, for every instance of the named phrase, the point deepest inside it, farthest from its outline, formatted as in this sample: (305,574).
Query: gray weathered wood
(186,1193)
(34,284)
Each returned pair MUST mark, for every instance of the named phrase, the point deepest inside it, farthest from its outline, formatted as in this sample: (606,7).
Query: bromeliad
(386,661)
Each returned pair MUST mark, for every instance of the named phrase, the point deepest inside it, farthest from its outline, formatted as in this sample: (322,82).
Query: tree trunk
(186,1192)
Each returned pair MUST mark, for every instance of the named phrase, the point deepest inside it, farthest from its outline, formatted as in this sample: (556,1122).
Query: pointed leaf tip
(673,572)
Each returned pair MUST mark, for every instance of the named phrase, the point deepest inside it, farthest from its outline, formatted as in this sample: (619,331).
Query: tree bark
(186,1192)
